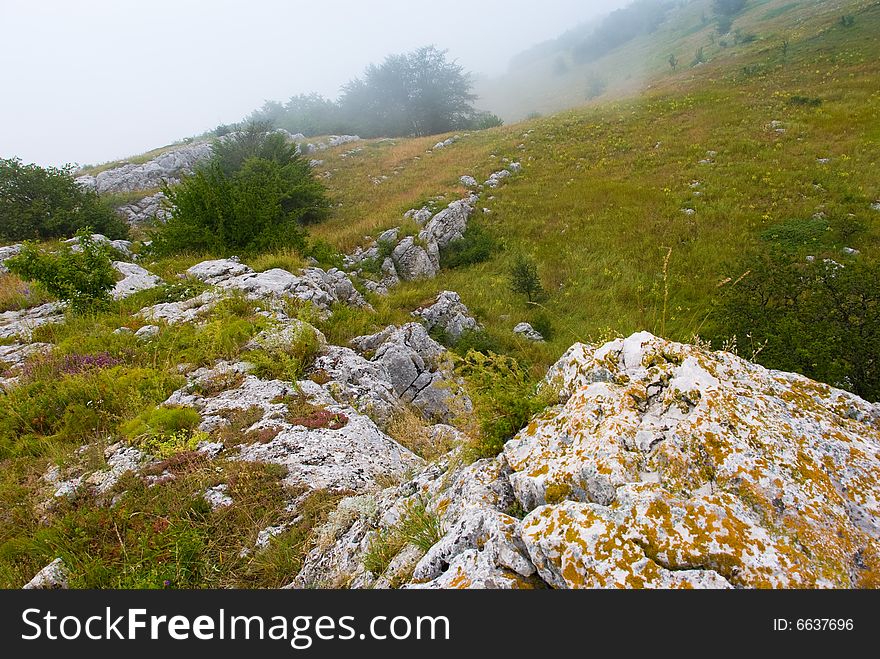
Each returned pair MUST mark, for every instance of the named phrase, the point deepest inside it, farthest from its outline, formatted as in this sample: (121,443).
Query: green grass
(598,207)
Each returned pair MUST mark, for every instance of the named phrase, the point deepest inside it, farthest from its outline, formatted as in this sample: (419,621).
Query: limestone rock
(8,252)
(167,167)
(52,577)
(528,332)
(134,279)
(154,207)
(449,224)
(449,314)
(23,322)
(413,261)
(692,459)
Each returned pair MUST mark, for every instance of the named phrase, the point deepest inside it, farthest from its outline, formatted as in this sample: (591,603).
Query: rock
(468,181)
(497,178)
(150,209)
(8,252)
(849,251)
(446,142)
(528,332)
(449,314)
(449,224)
(15,354)
(696,460)
(147,332)
(134,279)
(413,261)
(688,211)
(418,370)
(22,323)
(515,167)
(52,577)
(174,313)
(876,206)
(359,382)
(217,496)
(165,168)
(121,246)
(389,236)
(421,215)
(213,272)
(290,332)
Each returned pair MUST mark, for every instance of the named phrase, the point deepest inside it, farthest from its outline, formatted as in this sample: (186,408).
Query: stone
(413,261)
(528,332)
(212,272)
(497,178)
(468,181)
(121,246)
(449,224)
(449,314)
(147,332)
(218,496)
(134,279)
(152,208)
(359,382)
(167,167)
(8,252)
(23,322)
(421,215)
(174,313)
(418,370)
(52,577)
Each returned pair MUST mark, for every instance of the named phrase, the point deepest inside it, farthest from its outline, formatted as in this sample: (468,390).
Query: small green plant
(699,57)
(805,101)
(83,278)
(505,397)
(418,526)
(847,20)
(475,246)
(523,278)
(384,546)
(165,431)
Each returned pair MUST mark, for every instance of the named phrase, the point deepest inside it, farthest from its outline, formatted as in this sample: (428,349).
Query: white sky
(88,81)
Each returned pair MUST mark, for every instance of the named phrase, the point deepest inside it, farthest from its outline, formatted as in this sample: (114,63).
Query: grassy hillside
(756,142)
(602,201)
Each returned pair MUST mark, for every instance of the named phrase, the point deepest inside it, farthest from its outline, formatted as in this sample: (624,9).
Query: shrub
(523,278)
(477,340)
(417,526)
(83,278)
(485,121)
(254,195)
(165,431)
(505,397)
(475,246)
(848,20)
(819,318)
(39,203)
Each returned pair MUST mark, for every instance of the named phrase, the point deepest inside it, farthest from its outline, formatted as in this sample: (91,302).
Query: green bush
(505,398)
(485,121)
(37,414)
(164,431)
(39,203)
(475,246)
(254,195)
(83,278)
(820,318)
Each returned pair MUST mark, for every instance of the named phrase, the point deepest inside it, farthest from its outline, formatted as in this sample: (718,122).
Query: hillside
(321,421)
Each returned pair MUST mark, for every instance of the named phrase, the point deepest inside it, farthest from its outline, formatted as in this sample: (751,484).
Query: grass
(598,207)
(16,294)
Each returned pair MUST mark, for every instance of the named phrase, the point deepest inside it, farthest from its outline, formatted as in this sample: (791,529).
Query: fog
(86,81)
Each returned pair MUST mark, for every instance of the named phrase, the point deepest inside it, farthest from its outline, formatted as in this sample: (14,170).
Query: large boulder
(167,167)
(449,314)
(134,279)
(418,369)
(449,224)
(413,260)
(663,466)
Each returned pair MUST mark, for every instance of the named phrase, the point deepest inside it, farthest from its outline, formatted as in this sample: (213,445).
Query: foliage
(505,397)
(417,93)
(619,27)
(309,114)
(523,278)
(38,414)
(39,203)
(485,121)
(260,206)
(84,277)
(164,431)
(728,7)
(475,246)
(820,318)
(418,526)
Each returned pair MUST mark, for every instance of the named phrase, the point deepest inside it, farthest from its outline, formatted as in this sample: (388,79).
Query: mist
(95,80)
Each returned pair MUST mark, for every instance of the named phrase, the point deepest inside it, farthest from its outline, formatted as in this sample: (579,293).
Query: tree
(39,203)
(82,277)
(673,61)
(524,278)
(820,317)
(419,93)
(256,193)
(728,7)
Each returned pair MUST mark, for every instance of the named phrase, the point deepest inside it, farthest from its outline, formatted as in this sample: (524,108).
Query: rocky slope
(663,465)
